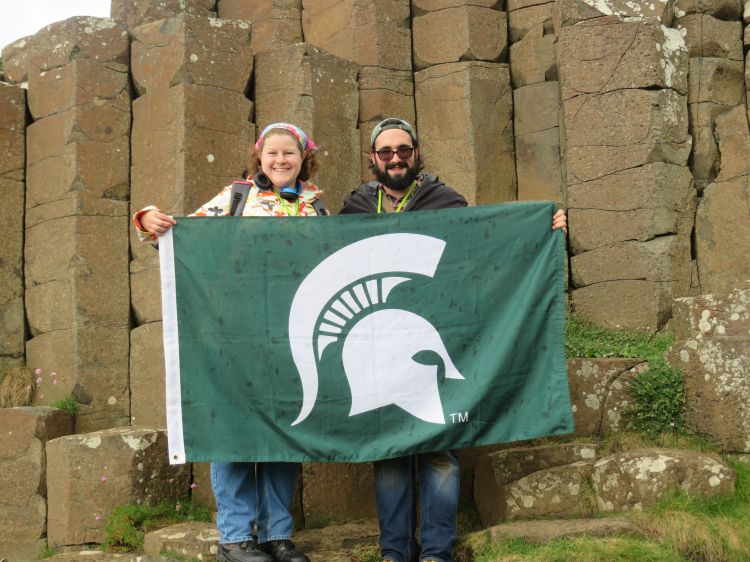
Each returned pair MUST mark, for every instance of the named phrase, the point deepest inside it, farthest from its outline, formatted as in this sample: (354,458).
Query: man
(394,160)
(395,163)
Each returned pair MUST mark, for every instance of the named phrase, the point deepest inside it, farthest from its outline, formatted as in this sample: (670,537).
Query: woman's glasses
(386,154)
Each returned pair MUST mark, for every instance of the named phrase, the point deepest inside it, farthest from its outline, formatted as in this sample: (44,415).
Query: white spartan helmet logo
(378,349)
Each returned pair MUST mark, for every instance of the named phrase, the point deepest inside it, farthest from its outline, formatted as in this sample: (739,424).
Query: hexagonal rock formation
(77,296)
(531,481)
(191,135)
(12,174)
(729,10)
(557,491)
(192,50)
(600,393)
(147,379)
(16,57)
(716,85)
(368,33)
(536,116)
(532,59)
(465,32)
(571,12)
(639,479)
(137,13)
(319,93)
(624,109)
(89,475)
(713,350)
(465,123)
(706,36)
(276,23)
(722,229)
(525,15)
(23,496)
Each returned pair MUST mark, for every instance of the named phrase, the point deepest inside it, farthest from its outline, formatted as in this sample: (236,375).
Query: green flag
(362,337)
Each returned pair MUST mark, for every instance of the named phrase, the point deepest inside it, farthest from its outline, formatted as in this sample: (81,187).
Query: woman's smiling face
(281,159)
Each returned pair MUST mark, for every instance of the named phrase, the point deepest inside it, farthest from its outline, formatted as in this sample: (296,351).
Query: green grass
(584,339)
(67,405)
(678,528)
(47,553)
(583,549)
(127,524)
(619,441)
(365,553)
(659,392)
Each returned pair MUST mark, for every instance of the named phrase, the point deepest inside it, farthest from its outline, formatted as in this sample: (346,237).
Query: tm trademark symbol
(459,417)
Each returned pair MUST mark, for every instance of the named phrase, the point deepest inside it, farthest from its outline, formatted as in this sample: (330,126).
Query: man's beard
(398,183)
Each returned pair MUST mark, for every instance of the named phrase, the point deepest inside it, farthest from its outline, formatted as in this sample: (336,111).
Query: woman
(257,494)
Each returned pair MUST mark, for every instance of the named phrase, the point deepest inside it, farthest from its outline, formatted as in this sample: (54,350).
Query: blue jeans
(396,494)
(252,494)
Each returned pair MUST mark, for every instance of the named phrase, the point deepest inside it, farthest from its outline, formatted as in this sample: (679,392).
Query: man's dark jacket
(430,194)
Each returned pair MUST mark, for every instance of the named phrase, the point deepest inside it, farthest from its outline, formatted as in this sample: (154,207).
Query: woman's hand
(560,220)
(157,223)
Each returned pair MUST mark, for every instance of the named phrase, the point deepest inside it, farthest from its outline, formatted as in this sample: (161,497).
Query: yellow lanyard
(288,207)
(404,199)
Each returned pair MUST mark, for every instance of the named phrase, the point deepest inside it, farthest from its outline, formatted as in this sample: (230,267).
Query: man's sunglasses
(386,154)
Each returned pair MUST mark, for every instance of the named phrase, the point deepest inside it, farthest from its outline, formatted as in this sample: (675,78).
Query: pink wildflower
(103,479)
(53,374)
(97,517)
(39,381)
(38,371)
(54,381)
(193,486)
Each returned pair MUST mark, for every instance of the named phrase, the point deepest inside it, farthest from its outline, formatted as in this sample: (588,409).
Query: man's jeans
(396,493)
(249,494)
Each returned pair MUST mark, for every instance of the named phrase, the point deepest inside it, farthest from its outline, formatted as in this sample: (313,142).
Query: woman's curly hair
(309,164)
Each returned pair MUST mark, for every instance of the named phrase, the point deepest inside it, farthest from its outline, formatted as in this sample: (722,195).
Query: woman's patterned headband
(307,144)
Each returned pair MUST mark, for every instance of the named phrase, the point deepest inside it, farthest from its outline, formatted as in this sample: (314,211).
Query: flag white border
(171,350)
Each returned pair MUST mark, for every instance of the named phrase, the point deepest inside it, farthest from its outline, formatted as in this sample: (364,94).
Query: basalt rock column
(536,100)
(713,351)
(192,129)
(317,91)
(629,191)
(722,223)
(465,118)
(464,98)
(90,475)
(23,497)
(276,23)
(139,12)
(12,174)
(378,37)
(716,84)
(76,246)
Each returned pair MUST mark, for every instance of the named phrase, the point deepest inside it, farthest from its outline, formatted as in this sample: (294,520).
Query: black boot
(246,551)
(284,551)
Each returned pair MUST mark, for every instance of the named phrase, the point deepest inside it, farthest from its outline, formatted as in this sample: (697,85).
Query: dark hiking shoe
(284,551)
(246,551)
